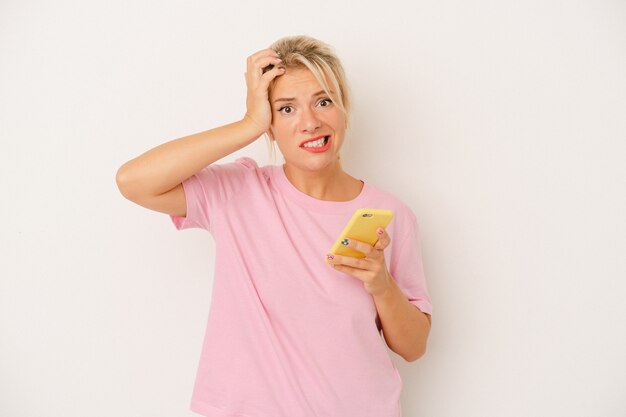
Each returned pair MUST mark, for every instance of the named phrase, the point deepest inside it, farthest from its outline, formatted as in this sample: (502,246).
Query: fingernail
(345,242)
(330,257)
(380,231)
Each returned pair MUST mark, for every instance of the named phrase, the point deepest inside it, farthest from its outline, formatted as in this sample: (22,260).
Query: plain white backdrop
(501,123)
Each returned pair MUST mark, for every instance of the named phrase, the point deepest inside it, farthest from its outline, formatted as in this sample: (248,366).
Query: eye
(325,102)
(286,110)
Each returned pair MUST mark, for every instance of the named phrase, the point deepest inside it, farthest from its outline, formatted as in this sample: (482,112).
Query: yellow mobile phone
(362,226)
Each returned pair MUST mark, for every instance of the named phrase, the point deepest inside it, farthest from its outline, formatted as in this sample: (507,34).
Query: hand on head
(262,68)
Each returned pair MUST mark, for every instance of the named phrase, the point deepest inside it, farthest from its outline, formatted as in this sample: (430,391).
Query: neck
(329,184)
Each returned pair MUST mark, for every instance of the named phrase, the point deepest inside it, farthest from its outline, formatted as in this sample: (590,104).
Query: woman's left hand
(371,270)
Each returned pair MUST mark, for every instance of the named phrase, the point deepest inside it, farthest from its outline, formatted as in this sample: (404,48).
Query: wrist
(252,127)
(384,288)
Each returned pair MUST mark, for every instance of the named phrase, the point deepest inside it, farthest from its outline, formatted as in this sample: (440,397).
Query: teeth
(315,144)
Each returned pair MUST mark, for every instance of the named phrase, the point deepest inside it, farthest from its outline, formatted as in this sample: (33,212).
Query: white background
(501,123)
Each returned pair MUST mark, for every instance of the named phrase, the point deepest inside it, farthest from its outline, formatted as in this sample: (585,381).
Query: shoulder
(244,166)
(250,165)
(242,172)
(247,163)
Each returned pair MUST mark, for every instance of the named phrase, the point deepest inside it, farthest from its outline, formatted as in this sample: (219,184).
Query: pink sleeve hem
(179,222)
(182,222)
(423,305)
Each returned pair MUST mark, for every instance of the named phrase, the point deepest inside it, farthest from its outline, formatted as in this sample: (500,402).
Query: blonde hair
(318,57)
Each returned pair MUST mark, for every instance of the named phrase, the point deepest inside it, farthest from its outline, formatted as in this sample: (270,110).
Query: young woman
(289,334)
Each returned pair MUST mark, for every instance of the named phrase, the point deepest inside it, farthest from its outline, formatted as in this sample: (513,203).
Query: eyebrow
(319,93)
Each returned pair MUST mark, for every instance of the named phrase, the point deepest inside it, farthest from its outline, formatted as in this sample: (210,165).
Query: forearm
(167,165)
(405,327)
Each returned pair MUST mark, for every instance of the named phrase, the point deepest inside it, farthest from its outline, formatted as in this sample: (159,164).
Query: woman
(288,334)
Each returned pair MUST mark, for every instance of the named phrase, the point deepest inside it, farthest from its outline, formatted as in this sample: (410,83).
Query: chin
(318,164)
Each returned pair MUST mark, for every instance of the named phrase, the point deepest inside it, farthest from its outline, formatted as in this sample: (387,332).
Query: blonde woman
(289,334)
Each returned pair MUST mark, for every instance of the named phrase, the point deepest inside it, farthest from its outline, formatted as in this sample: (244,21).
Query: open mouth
(317,143)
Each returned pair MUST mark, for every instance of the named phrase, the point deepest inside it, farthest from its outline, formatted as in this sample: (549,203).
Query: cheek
(282,134)
(337,120)
(282,125)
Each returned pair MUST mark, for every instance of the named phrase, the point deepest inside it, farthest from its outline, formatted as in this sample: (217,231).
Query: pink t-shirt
(287,335)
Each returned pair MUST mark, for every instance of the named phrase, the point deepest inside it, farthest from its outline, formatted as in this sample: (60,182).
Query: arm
(154,178)
(164,167)
(405,327)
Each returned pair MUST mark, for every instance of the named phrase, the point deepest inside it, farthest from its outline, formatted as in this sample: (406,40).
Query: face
(307,125)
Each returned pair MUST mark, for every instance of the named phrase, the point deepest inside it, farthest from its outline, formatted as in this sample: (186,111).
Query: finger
(256,64)
(383,239)
(260,55)
(269,75)
(356,263)
(355,272)
(266,64)
(256,73)
(261,78)
(364,248)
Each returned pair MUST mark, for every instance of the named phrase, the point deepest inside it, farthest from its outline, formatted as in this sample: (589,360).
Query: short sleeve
(406,266)
(208,190)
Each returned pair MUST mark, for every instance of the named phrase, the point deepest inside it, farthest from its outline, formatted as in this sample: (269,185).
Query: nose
(309,121)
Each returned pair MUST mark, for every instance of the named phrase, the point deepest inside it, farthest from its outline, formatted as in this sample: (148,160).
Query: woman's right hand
(258,109)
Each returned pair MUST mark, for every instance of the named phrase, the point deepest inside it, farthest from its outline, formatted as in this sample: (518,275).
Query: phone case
(362,226)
